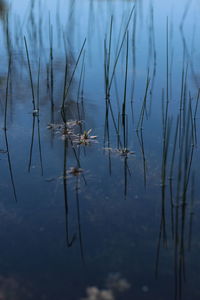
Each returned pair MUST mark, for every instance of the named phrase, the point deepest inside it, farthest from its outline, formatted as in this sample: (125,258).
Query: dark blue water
(110,209)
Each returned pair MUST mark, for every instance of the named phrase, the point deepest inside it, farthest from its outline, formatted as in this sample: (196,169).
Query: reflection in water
(5,129)
(3,9)
(115,285)
(11,288)
(183,154)
(92,66)
(69,240)
(10,165)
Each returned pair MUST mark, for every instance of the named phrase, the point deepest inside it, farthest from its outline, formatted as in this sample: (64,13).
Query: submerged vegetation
(100,138)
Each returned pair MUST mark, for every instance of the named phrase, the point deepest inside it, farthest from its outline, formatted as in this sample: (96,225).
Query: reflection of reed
(6,99)
(32,143)
(107,138)
(143,111)
(79,218)
(152,55)
(194,117)
(69,240)
(109,77)
(171,176)
(191,212)
(68,85)
(3,8)
(124,115)
(10,165)
(51,58)
(141,143)
(81,80)
(133,48)
(5,129)
(162,228)
(36,105)
(126,169)
(179,180)
(189,58)
(30,74)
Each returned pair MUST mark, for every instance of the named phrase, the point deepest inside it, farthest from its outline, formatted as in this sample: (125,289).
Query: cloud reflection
(114,284)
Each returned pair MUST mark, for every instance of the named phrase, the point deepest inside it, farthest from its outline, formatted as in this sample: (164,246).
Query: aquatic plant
(86,138)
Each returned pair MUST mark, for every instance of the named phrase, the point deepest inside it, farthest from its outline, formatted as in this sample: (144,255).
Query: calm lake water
(100,157)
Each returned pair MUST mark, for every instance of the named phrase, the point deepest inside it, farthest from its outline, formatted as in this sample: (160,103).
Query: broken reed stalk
(72,76)
(143,109)
(119,51)
(83,83)
(167,60)
(66,88)
(125,85)
(125,91)
(167,82)
(51,62)
(165,153)
(10,166)
(194,118)
(174,148)
(40,146)
(38,86)
(38,120)
(191,211)
(81,77)
(106,79)
(6,100)
(189,148)
(107,55)
(197,103)
(183,105)
(30,73)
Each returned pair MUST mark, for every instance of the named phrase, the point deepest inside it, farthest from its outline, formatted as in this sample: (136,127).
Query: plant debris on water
(2,151)
(61,126)
(68,129)
(65,129)
(121,152)
(75,171)
(86,138)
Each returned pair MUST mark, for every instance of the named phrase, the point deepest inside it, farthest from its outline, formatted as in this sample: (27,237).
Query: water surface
(111,199)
